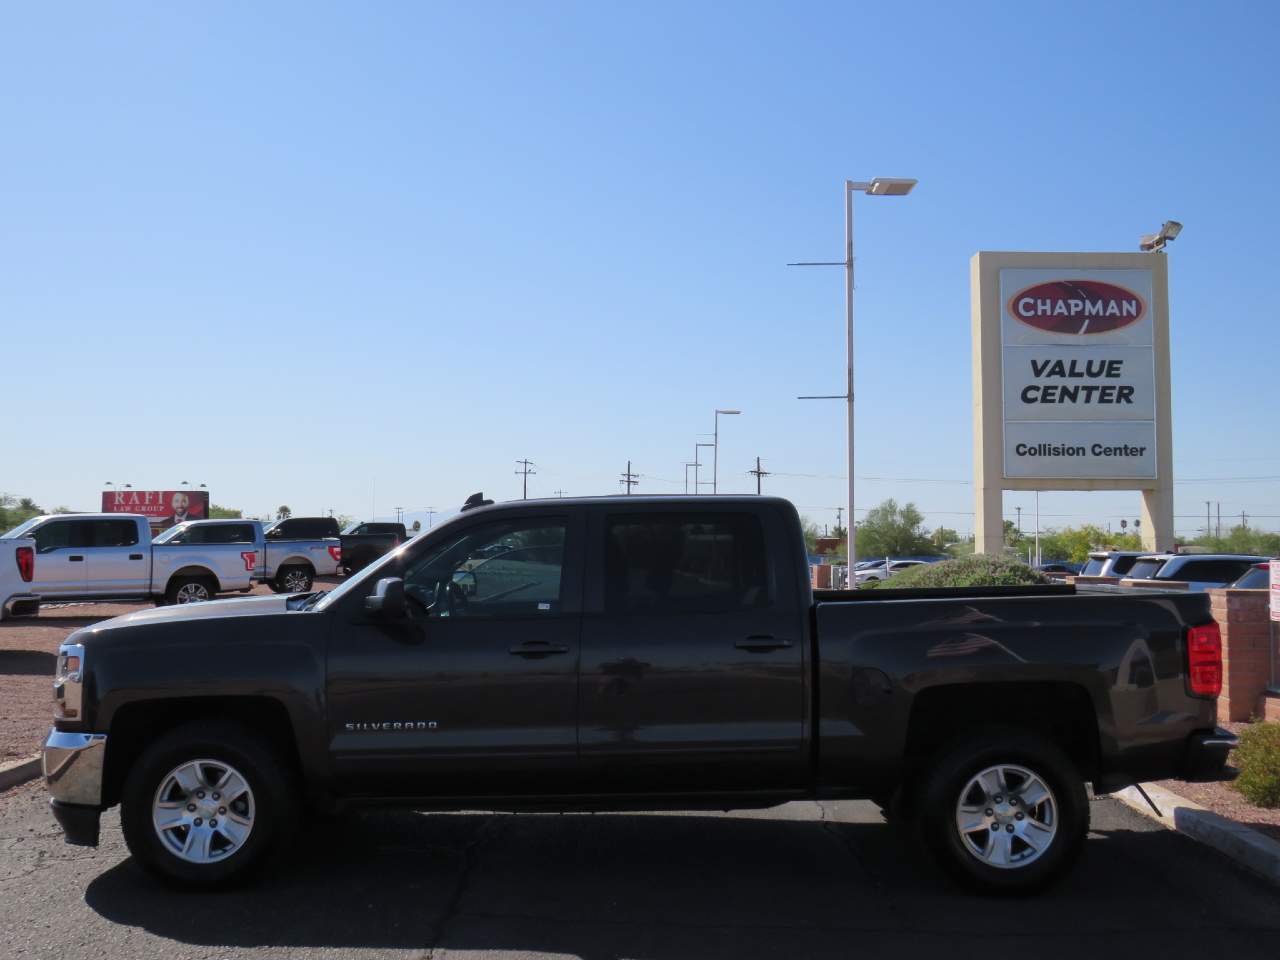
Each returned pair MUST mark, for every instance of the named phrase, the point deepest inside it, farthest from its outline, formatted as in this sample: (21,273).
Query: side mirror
(387,600)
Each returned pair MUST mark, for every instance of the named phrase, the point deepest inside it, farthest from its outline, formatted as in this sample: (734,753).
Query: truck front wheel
(1004,812)
(191,590)
(205,804)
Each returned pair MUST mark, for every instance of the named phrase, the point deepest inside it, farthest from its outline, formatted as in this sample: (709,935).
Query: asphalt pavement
(804,880)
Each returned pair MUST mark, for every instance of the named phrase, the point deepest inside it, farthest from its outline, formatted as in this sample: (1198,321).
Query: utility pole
(1217,530)
(399,514)
(1019,509)
(758,473)
(839,515)
(560,493)
(1206,518)
(1244,519)
(630,479)
(431,512)
(528,465)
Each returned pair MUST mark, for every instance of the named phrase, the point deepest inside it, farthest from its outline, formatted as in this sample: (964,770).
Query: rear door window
(57,534)
(685,563)
(1213,571)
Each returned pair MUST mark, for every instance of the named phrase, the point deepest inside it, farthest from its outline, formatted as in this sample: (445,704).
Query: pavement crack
(459,892)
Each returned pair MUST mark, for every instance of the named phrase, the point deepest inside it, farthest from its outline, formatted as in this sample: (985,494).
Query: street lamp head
(729,412)
(890,187)
(1150,242)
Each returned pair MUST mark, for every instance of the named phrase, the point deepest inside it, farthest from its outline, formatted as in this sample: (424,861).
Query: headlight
(68,682)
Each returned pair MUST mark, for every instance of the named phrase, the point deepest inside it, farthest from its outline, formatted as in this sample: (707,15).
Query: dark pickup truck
(630,653)
(363,543)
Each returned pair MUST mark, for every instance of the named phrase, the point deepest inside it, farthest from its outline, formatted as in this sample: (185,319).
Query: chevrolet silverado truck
(298,549)
(630,653)
(110,556)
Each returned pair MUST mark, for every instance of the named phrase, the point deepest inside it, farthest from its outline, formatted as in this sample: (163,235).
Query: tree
(893,531)
(283,513)
(218,512)
(63,510)
(943,538)
(417,525)
(811,534)
(1243,539)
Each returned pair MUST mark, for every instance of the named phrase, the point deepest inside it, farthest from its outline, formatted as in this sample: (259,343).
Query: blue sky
(358,256)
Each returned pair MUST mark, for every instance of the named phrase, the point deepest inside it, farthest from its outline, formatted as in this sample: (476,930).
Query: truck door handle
(135,556)
(537,648)
(75,558)
(760,644)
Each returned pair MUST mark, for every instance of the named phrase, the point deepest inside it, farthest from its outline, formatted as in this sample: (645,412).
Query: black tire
(304,574)
(174,591)
(273,796)
(941,792)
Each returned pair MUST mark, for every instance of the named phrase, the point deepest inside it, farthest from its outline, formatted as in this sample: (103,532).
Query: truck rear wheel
(294,579)
(1004,812)
(191,590)
(205,804)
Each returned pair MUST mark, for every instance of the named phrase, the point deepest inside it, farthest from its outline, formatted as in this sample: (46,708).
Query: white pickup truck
(17,569)
(110,556)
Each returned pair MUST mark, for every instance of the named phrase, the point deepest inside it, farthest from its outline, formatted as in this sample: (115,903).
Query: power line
(526,472)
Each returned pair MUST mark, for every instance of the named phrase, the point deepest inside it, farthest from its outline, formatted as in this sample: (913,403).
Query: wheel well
(136,725)
(296,562)
(204,573)
(1061,712)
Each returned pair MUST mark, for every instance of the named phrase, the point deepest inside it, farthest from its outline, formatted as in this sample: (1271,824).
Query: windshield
(21,529)
(171,533)
(1094,567)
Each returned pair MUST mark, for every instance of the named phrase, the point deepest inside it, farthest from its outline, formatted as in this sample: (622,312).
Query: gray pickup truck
(631,653)
(299,549)
(110,556)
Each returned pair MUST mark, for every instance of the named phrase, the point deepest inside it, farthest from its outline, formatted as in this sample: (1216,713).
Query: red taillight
(336,553)
(26,557)
(1204,660)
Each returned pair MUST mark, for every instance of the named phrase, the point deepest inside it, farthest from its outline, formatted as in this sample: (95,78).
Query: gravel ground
(1222,798)
(28,651)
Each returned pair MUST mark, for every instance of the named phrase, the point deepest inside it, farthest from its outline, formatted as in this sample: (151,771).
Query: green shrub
(1258,758)
(978,570)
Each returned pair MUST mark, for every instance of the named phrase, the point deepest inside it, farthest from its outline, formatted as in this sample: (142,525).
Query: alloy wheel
(203,811)
(1006,816)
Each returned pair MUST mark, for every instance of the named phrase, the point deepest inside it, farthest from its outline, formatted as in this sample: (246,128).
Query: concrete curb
(1252,850)
(15,772)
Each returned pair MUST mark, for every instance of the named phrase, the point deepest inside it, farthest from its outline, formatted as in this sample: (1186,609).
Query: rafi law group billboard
(163,508)
(1078,367)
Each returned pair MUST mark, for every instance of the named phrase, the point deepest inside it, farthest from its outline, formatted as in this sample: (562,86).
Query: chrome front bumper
(73,767)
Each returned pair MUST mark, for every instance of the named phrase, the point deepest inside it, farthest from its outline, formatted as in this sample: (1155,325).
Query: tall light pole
(687,465)
(877,187)
(696,464)
(715,455)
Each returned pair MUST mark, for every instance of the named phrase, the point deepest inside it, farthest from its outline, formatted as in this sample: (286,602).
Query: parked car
(110,556)
(1060,568)
(363,543)
(630,653)
(1199,570)
(1257,577)
(875,569)
(17,570)
(299,549)
(1110,563)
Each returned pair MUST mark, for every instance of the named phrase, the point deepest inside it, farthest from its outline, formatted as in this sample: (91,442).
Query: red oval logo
(1077,306)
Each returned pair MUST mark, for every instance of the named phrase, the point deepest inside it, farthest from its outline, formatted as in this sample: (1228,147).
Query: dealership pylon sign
(1071,382)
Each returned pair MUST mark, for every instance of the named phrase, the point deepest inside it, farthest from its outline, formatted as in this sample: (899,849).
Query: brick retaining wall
(1246,637)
